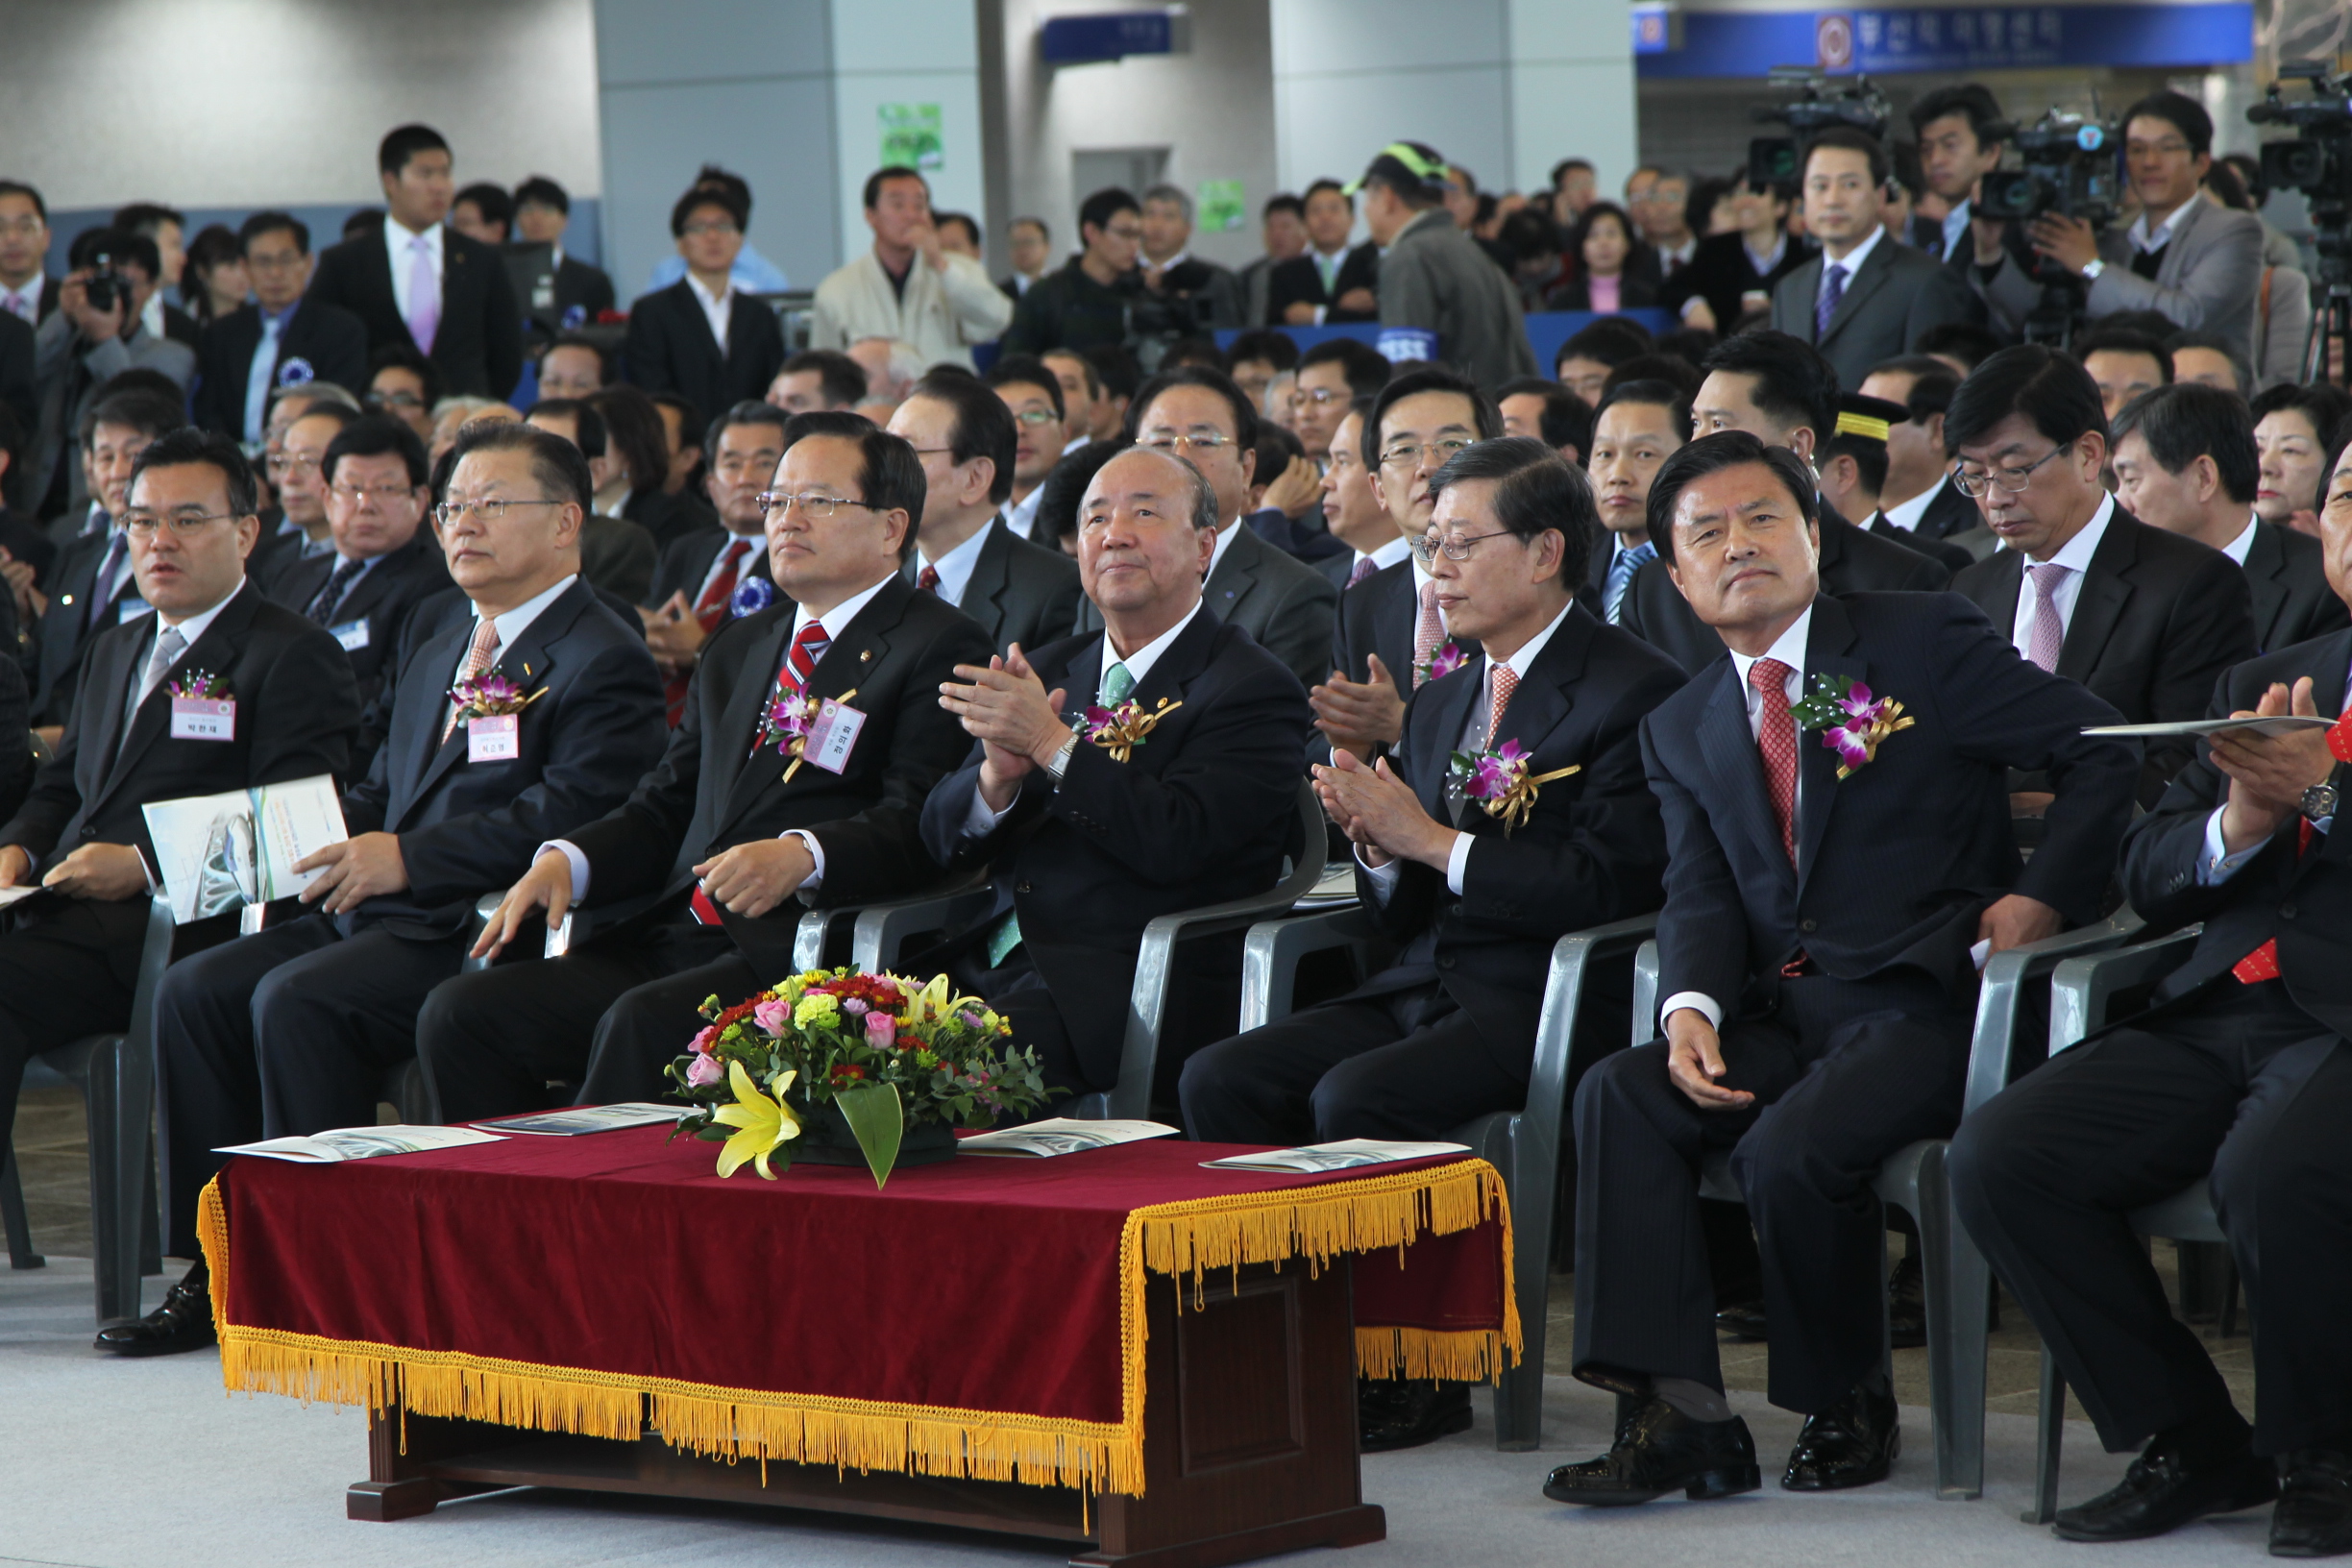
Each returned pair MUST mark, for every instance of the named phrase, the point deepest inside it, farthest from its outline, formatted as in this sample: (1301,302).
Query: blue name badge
(352,634)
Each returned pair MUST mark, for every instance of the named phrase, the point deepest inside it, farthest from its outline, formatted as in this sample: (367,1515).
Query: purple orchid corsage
(1497,778)
(203,685)
(1444,659)
(1852,721)
(490,697)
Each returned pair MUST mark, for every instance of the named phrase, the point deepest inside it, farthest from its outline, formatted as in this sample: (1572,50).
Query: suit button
(2287,910)
(1808,925)
(1447,962)
(89,832)
(1021,887)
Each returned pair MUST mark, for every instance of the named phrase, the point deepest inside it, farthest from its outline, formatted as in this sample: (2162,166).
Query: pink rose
(774,1016)
(881,1029)
(704,1040)
(704,1071)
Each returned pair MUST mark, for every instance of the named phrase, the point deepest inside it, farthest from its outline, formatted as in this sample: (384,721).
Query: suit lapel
(528,664)
(1540,703)
(848,660)
(107,723)
(1392,627)
(1230,582)
(1451,700)
(2265,566)
(991,574)
(2099,603)
(421,705)
(1083,678)
(739,720)
(215,650)
(1829,651)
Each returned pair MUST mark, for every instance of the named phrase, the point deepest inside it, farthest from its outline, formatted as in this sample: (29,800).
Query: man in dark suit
(702,336)
(2146,619)
(290,1031)
(1818,957)
(1637,427)
(1867,296)
(713,575)
(1330,283)
(582,293)
(1285,604)
(1019,593)
(70,954)
(384,559)
(2240,1067)
(1782,391)
(421,283)
(701,875)
(1086,847)
(282,340)
(2184,461)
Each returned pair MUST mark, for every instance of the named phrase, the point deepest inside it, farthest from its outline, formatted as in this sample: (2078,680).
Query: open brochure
(2283,724)
(574,1120)
(360,1143)
(10,895)
(1060,1135)
(1344,1154)
(218,851)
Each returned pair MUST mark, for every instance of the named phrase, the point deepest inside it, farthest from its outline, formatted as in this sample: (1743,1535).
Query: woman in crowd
(214,283)
(1613,270)
(2299,431)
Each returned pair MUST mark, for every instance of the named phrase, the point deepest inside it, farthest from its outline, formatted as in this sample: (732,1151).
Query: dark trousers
(1844,1073)
(1406,1066)
(65,971)
(286,1032)
(2235,1080)
(609,1017)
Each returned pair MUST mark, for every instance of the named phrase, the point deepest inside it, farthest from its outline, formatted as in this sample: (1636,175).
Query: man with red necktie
(698,879)
(2239,1068)
(1838,870)
(708,578)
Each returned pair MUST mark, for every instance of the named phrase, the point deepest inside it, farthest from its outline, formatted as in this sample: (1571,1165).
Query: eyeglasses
(449,513)
(1317,397)
(1454,548)
(283,464)
(143,525)
(821,508)
(360,495)
(1034,417)
(1409,453)
(2014,481)
(396,400)
(1166,441)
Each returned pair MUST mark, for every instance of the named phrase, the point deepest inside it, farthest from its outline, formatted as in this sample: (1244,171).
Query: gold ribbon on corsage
(1122,730)
(1499,781)
(1852,721)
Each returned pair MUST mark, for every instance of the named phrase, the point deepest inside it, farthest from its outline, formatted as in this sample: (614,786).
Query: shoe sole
(137,1350)
(1701,1488)
(1458,1421)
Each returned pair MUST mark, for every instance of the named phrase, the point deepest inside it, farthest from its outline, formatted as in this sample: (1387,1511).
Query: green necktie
(1116,684)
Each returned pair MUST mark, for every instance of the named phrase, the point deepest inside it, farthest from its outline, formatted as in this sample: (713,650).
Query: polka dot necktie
(1776,740)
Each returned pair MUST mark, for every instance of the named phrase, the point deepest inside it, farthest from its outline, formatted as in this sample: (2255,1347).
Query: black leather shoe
(1660,1450)
(2162,1491)
(1852,1443)
(1742,1320)
(182,1323)
(1406,1413)
(1907,1304)
(2313,1517)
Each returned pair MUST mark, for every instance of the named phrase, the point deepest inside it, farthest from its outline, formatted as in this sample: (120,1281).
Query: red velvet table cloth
(980,1316)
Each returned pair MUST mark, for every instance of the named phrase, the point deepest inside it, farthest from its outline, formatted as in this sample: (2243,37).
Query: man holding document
(218,690)
(518,724)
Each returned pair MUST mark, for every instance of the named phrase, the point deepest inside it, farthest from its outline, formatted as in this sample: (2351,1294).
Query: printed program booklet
(359,1143)
(574,1120)
(1060,1134)
(1345,1155)
(216,852)
(2283,724)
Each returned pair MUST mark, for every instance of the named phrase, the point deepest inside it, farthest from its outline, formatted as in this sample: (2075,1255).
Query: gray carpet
(107,1463)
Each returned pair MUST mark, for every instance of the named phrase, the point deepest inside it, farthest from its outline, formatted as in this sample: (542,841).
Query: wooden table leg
(399,1485)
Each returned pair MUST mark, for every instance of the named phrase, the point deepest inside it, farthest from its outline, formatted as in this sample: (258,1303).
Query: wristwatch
(1059,763)
(2318,802)
(2093,268)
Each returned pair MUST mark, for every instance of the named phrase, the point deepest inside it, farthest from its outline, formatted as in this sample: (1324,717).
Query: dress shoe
(1907,1304)
(2314,1516)
(1406,1413)
(1660,1450)
(1742,1320)
(2162,1491)
(1852,1443)
(182,1323)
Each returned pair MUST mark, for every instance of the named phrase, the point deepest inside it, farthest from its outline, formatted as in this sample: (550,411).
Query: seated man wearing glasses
(698,877)
(70,954)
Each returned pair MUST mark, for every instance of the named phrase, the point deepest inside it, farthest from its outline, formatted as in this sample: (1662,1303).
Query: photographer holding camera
(92,337)
(2193,260)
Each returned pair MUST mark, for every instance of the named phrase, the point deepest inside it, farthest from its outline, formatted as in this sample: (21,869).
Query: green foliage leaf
(874,1118)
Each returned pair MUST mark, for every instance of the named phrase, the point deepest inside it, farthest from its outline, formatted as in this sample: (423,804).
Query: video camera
(1779,160)
(2072,169)
(2319,160)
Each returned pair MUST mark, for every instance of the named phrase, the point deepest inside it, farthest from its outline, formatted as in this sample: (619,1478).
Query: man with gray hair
(1205,294)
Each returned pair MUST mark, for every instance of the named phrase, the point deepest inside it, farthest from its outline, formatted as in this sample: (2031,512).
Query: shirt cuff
(577,862)
(980,822)
(1690,304)
(1457,861)
(1383,877)
(815,878)
(1698,1001)
(2217,866)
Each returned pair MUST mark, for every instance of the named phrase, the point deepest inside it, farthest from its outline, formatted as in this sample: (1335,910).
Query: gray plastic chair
(1524,1145)
(2080,997)
(1958,1282)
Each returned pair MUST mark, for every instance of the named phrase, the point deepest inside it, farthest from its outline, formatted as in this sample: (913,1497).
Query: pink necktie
(424,294)
(2049,636)
(1427,632)
(477,665)
(1505,682)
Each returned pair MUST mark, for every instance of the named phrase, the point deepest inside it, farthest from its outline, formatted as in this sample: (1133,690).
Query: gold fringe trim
(736,1424)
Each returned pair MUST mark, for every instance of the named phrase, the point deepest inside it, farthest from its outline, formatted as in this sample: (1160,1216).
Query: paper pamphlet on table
(217,851)
(2280,724)
(1345,1155)
(574,1120)
(360,1143)
(1060,1135)
(11,896)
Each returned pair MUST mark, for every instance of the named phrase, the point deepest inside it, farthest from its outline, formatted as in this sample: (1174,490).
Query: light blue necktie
(1621,578)
(1116,684)
(258,377)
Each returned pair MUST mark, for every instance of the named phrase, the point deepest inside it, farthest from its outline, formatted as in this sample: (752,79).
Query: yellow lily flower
(765,1122)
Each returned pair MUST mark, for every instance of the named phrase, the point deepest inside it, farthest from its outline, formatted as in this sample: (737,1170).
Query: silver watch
(2318,802)
(2093,268)
(1059,763)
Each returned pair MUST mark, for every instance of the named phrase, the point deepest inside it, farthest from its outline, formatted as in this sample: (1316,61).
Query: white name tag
(832,736)
(496,739)
(203,719)
(131,609)
(352,634)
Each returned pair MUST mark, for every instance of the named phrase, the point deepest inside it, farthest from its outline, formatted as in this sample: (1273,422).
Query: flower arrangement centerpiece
(1852,722)
(841,1068)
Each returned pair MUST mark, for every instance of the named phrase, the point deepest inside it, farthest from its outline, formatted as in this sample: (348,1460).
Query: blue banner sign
(1719,43)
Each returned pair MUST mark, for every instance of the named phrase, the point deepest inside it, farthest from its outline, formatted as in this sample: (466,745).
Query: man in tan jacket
(908,287)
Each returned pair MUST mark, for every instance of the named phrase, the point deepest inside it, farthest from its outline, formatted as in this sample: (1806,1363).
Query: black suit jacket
(381,598)
(1377,616)
(2157,619)
(65,632)
(296,710)
(2286,575)
(1018,592)
(2301,899)
(1851,562)
(670,349)
(710,793)
(1896,295)
(478,343)
(1299,281)
(1592,851)
(468,828)
(18,350)
(327,338)
(1201,812)
(1721,273)
(686,561)
(1895,863)
(1952,558)
(16,749)
(583,287)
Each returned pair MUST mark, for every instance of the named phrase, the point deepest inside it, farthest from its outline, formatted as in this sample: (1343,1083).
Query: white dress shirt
(955,567)
(717,308)
(2075,556)
(1955,229)
(1910,514)
(1224,542)
(2144,241)
(1021,516)
(1388,555)
(2238,549)
(1789,647)
(25,302)
(397,241)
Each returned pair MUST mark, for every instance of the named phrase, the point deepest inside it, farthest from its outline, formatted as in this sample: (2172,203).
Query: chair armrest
(1645,993)
(2082,987)
(155,957)
(1270,957)
(1573,959)
(881,929)
(2008,978)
